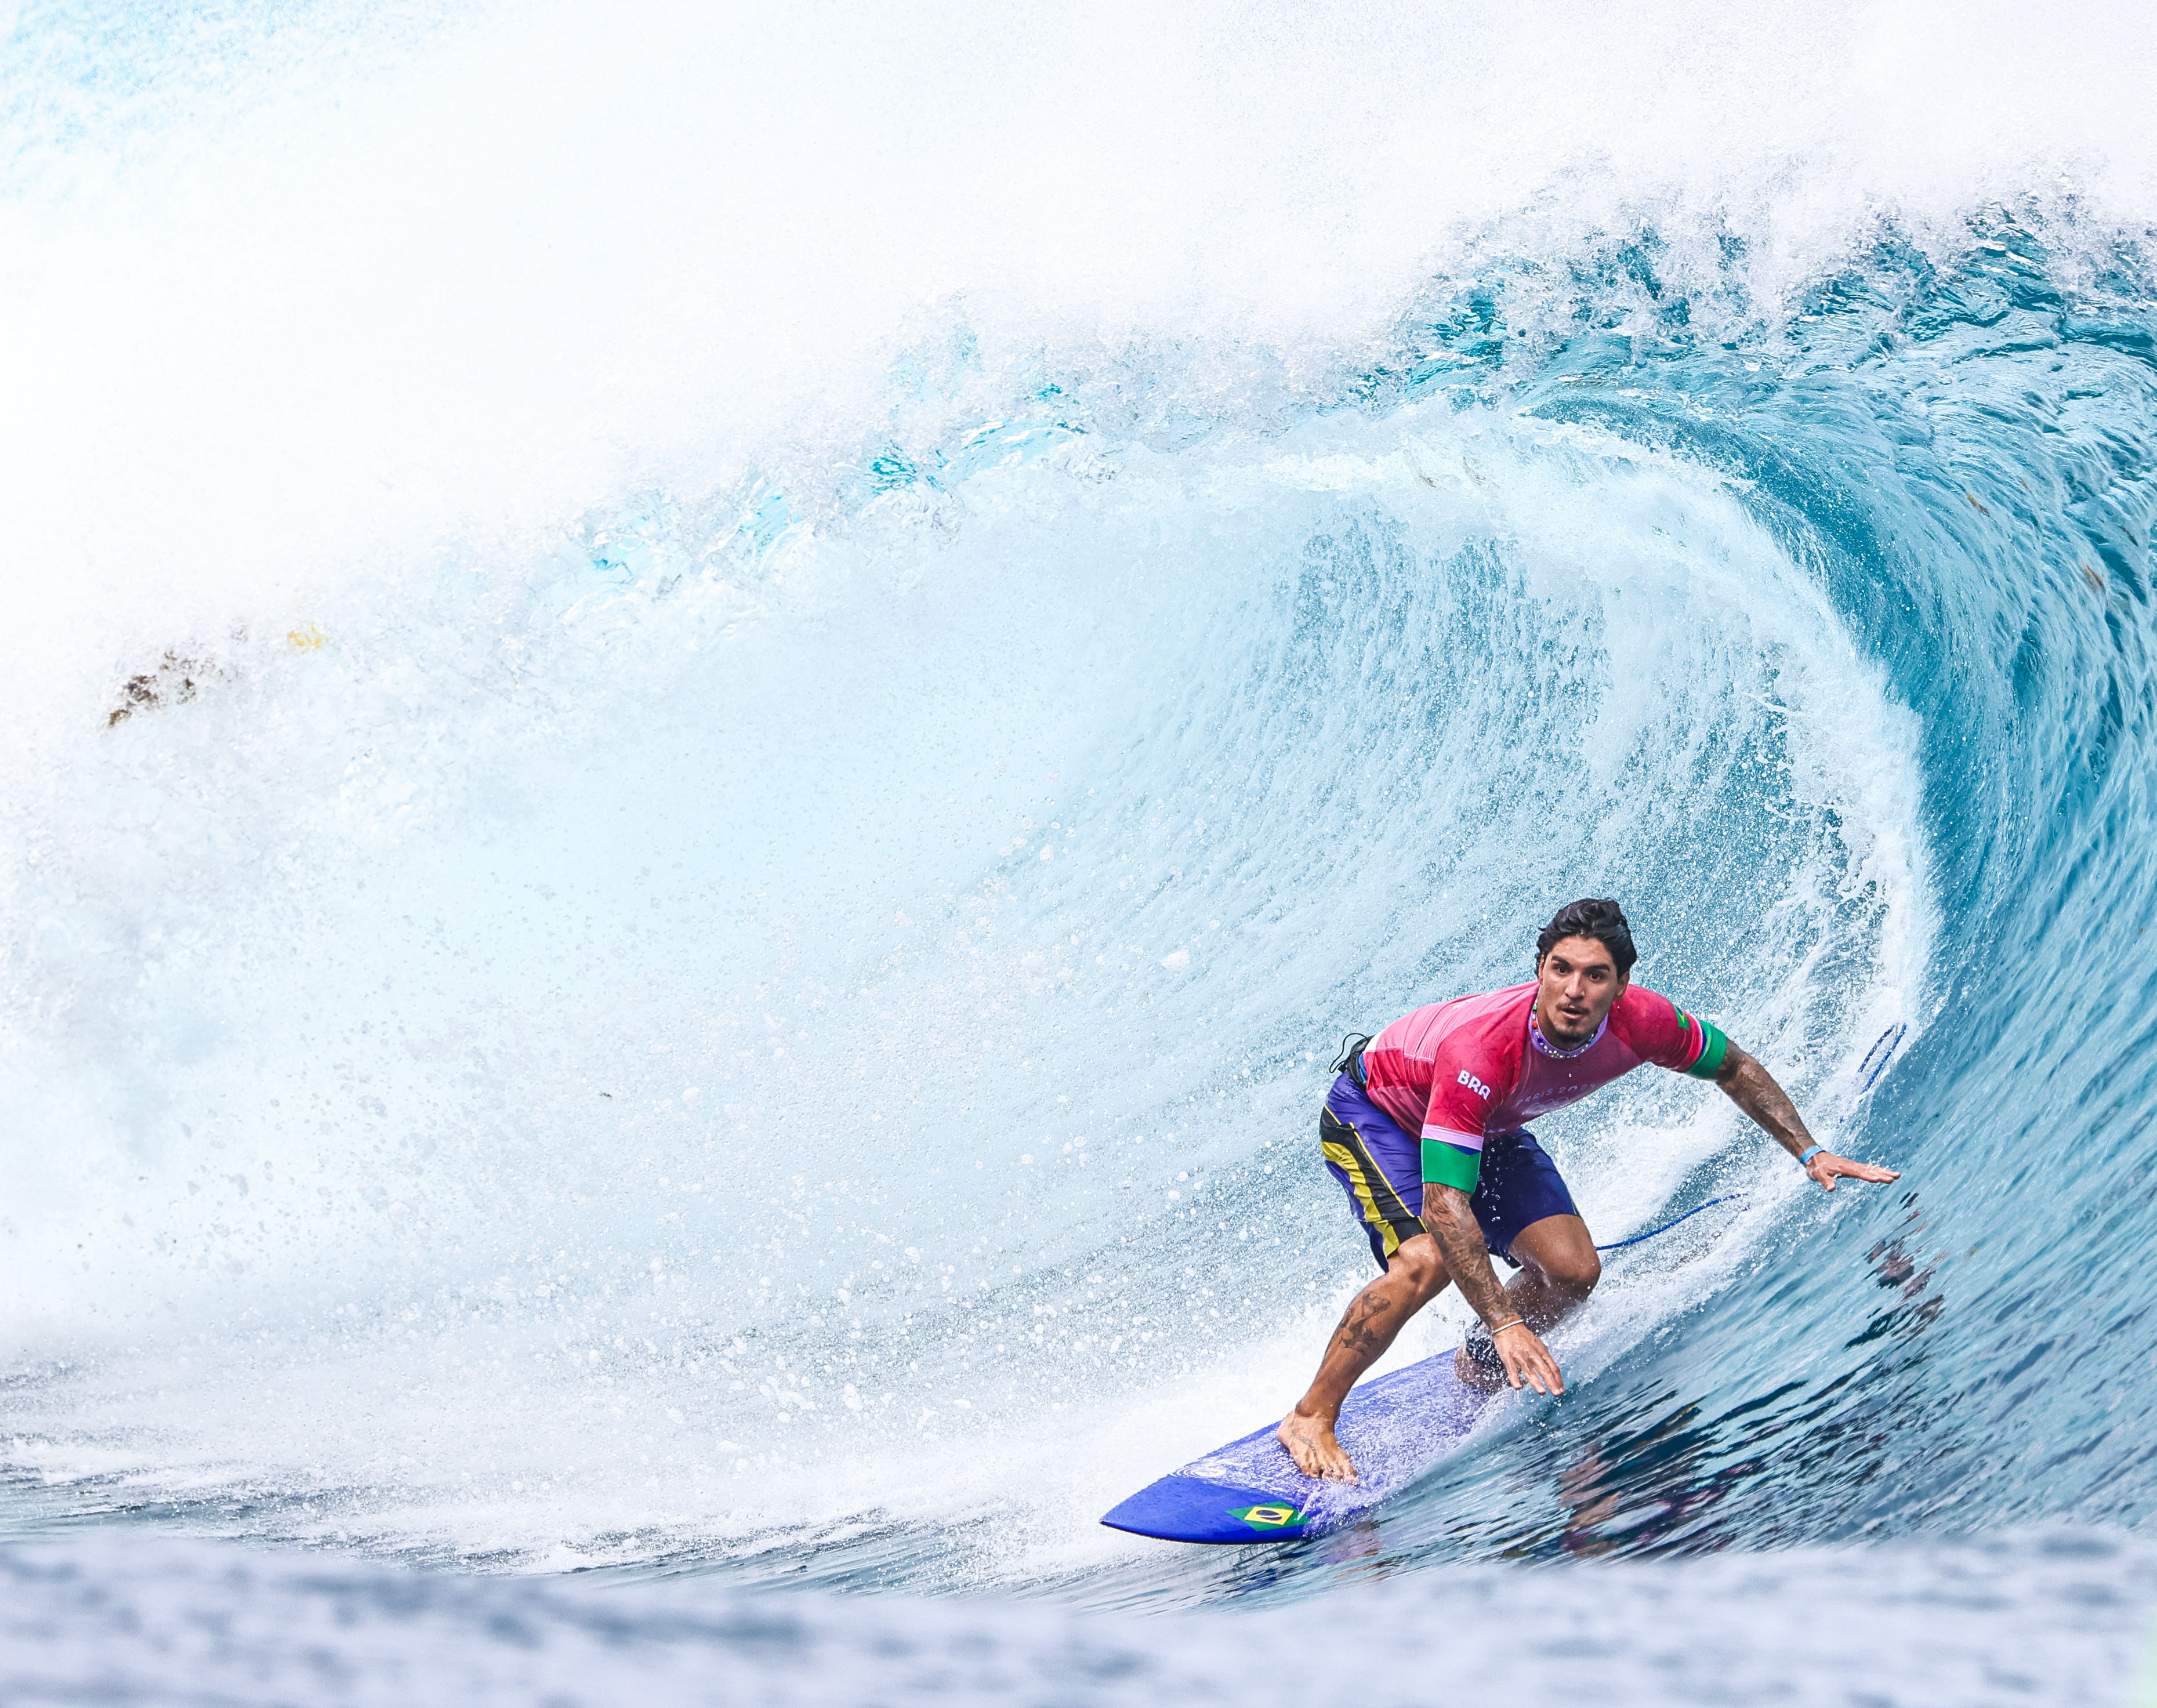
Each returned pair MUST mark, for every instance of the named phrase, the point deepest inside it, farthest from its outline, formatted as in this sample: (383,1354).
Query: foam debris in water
(2058,1617)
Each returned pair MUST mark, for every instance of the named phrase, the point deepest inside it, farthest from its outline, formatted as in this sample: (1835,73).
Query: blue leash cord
(1891,1037)
(1727,1198)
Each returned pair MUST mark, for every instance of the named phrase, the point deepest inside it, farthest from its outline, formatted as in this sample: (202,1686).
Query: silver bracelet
(1510,1323)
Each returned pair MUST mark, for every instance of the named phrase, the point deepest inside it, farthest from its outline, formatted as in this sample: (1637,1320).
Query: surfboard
(1395,1428)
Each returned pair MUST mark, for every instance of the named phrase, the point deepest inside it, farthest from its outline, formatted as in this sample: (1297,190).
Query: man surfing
(1426,1129)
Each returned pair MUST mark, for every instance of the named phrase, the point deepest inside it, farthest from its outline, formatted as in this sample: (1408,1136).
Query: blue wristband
(1809,1152)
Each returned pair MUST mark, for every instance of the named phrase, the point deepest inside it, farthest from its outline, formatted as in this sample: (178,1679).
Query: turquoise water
(708,942)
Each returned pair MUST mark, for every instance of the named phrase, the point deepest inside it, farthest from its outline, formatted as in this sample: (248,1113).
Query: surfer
(1426,1129)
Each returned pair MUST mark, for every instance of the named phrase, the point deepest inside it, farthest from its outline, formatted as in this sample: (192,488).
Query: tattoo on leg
(1359,1330)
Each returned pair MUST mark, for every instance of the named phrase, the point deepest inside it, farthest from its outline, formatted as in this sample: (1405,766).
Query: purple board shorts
(1381,1169)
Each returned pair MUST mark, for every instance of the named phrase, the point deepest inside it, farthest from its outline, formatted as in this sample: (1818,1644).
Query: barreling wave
(783,1032)
(646,926)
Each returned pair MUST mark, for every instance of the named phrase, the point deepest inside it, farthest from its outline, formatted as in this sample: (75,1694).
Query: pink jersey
(1456,1071)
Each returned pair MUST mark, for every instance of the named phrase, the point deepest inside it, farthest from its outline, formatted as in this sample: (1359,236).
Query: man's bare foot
(1317,1452)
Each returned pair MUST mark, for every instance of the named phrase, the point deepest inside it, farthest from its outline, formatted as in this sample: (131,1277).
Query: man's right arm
(1448,1219)
(1753,1089)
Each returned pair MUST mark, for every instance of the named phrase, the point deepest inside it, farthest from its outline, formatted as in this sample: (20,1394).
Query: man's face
(1578,982)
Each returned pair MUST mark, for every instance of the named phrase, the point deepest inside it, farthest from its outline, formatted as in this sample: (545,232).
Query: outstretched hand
(1827,1165)
(1753,1089)
(1528,1360)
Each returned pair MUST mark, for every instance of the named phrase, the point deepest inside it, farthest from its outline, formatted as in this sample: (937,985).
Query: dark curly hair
(1598,917)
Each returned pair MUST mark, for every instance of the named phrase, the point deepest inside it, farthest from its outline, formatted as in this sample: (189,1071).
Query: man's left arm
(1750,1086)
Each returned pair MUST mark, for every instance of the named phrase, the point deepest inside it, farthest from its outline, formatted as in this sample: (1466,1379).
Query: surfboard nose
(1180,1508)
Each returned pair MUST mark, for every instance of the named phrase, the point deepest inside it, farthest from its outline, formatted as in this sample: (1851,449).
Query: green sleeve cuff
(1715,1047)
(1448,1165)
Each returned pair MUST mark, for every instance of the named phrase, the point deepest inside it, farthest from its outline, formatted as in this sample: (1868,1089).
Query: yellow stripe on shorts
(1342,1145)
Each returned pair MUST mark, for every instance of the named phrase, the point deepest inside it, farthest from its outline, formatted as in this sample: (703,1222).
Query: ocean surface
(714,716)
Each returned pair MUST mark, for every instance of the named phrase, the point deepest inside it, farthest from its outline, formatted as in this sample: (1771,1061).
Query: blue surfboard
(1395,1429)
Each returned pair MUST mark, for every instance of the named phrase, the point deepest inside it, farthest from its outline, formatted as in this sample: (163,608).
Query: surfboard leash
(1727,1198)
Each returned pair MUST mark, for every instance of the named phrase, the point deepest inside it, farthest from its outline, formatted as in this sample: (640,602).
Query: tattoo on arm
(1452,1224)
(1753,1089)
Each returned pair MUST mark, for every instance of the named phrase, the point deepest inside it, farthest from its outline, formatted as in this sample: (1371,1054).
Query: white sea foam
(298,296)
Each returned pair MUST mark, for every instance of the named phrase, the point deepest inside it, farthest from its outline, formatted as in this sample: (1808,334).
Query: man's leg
(1378,1164)
(1559,1268)
(1415,1274)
